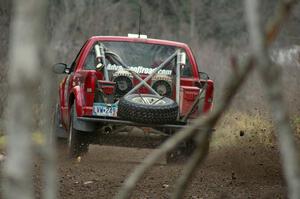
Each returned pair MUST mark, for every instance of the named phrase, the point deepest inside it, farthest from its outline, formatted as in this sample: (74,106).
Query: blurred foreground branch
(270,74)
(205,123)
(48,151)
(23,76)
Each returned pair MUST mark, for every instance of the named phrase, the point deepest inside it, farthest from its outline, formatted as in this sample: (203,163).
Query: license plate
(101,109)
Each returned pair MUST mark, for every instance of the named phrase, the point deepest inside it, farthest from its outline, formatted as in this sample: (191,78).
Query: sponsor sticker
(139,69)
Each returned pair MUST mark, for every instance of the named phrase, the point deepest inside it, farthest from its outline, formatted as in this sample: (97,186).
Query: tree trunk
(23,75)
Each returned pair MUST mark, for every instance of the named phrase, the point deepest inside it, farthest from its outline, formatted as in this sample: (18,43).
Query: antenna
(140,18)
(139,35)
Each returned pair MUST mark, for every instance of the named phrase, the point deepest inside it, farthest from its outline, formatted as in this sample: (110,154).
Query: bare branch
(201,122)
(282,13)
(209,122)
(270,74)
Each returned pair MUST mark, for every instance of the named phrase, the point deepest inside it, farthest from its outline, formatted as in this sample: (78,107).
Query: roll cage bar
(102,52)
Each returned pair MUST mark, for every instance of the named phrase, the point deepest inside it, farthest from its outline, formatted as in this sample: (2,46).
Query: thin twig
(142,98)
(158,100)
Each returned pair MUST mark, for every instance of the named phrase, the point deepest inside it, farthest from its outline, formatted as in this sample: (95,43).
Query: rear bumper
(96,122)
(117,121)
(139,139)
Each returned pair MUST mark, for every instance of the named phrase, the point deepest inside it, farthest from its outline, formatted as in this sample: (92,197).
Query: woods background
(217,33)
(214,29)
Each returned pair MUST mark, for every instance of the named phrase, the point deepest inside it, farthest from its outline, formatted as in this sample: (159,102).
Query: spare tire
(148,109)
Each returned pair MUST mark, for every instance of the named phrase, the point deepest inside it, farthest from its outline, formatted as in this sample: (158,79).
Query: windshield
(141,57)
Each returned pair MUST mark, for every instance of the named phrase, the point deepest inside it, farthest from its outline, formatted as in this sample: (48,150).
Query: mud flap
(84,125)
(57,128)
(61,133)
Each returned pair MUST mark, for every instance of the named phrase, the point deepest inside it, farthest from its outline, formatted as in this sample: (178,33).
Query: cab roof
(140,40)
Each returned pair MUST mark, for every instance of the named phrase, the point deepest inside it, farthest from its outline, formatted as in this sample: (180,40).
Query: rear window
(141,57)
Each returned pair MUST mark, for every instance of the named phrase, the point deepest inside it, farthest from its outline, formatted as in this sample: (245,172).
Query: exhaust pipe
(106,129)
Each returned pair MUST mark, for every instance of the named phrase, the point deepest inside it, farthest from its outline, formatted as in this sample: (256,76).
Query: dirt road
(230,172)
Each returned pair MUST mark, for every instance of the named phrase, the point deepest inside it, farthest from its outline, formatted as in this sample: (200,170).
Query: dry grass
(296,125)
(238,129)
(243,129)
(38,139)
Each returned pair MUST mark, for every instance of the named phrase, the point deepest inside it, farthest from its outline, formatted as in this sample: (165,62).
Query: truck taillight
(105,92)
(188,95)
(89,88)
(107,87)
(209,94)
(90,83)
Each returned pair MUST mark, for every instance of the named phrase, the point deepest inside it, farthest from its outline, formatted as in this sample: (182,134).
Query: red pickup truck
(118,82)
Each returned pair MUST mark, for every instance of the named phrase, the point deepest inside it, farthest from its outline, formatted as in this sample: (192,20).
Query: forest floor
(249,172)
(243,162)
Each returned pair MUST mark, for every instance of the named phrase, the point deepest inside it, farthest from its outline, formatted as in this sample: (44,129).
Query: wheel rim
(148,100)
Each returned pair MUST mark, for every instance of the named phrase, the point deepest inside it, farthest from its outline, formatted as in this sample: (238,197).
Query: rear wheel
(57,129)
(183,152)
(78,141)
(59,134)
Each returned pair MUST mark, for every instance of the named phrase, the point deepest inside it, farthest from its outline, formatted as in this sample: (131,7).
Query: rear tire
(58,131)
(78,141)
(183,152)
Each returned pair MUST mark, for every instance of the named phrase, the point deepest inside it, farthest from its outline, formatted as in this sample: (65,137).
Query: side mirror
(203,76)
(59,68)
